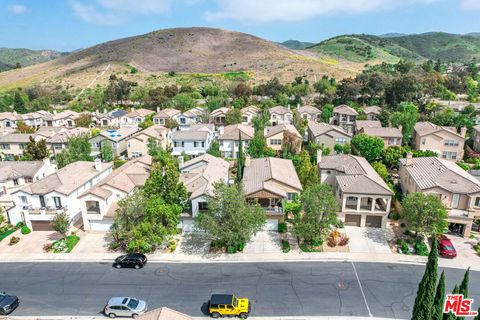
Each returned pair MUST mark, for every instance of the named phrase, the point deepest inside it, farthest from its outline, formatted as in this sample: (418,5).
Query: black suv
(131,260)
(8,303)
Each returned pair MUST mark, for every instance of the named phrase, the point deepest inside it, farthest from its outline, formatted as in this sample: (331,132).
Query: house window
(244,119)
(203,144)
(275,142)
(23,199)
(424,141)
(22,146)
(57,146)
(195,144)
(393,140)
(274,116)
(29,180)
(57,201)
(449,155)
(291,196)
(95,145)
(451,143)
(202,206)
(93,207)
(183,120)
(477,202)
(340,141)
(5,146)
(15,182)
(352,198)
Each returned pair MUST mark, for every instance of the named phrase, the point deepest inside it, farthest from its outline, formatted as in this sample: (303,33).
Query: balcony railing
(45,211)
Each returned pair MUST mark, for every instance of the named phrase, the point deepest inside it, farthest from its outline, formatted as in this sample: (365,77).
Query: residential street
(276,289)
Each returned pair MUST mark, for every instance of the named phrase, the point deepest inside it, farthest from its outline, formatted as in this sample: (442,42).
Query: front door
(455,199)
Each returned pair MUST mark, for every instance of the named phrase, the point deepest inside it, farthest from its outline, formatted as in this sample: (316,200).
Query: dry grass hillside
(183,50)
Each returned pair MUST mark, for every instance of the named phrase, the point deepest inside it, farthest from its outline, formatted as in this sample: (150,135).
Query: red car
(445,247)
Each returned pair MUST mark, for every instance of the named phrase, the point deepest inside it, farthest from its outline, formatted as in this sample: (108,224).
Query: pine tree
(439,300)
(240,162)
(450,315)
(422,309)
(463,289)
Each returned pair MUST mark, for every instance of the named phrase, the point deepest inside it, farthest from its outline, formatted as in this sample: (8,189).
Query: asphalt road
(276,289)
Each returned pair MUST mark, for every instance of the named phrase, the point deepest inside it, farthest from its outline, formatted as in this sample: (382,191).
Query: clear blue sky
(71,24)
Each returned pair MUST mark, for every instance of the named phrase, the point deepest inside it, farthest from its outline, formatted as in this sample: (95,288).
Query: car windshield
(133,303)
(448,248)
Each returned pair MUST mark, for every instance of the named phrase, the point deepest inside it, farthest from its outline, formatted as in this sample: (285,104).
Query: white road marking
(361,289)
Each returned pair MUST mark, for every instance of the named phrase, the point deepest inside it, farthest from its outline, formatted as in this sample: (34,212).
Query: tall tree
(369,147)
(257,146)
(230,220)
(36,150)
(450,315)
(439,300)
(214,149)
(463,288)
(84,121)
(407,117)
(164,182)
(320,212)
(307,172)
(24,128)
(422,309)
(233,116)
(20,100)
(425,213)
(61,223)
(78,149)
(106,151)
(240,160)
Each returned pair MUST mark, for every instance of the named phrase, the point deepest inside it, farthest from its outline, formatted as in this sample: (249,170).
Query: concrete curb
(198,318)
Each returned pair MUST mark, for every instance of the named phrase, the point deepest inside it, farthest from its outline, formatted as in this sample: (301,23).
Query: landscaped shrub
(405,249)
(316,243)
(421,248)
(282,227)
(25,230)
(6,233)
(332,242)
(19,225)
(13,240)
(477,247)
(231,249)
(343,240)
(395,216)
(339,224)
(59,246)
(240,246)
(71,241)
(399,242)
(285,246)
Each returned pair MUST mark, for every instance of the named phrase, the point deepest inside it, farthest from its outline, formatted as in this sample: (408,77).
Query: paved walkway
(368,240)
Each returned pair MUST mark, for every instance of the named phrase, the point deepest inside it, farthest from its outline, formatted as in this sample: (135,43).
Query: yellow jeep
(228,305)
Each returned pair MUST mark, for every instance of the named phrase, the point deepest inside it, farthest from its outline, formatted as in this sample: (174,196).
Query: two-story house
(57,138)
(458,189)
(33,119)
(117,138)
(162,116)
(372,112)
(199,176)
(229,139)
(364,197)
(327,134)
(12,145)
(137,144)
(280,115)
(309,113)
(219,116)
(271,182)
(14,175)
(446,141)
(277,136)
(107,119)
(37,203)
(194,141)
(135,117)
(65,118)
(99,203)
(390,136)
(190,117)
(345,117)
(8,119)
(248,113)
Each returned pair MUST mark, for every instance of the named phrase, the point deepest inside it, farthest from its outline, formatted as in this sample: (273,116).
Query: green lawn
(6,234)
(72,242)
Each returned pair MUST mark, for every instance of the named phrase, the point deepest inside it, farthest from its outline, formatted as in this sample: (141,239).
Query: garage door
(41,226)
(100,225)
(353,220)
(373,221)
(271,225)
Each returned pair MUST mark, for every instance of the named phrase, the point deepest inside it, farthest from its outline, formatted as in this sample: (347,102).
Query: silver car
(125,307)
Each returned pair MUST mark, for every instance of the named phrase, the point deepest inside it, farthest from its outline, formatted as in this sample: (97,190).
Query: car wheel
(117,266)
(134,316)
(243,316)
(137,266)
(216,315)
(112,315)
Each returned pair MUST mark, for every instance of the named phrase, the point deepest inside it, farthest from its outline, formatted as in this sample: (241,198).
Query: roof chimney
(96,112)
(319,156)
(298,105)
(98,164)
(248,161)
(180,162)
(220,130)
(132,109)
(409,159)
(104,110)
(463,131)
(158,109)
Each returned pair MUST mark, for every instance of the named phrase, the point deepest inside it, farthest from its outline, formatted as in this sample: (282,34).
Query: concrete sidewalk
(240,257)
(198,318)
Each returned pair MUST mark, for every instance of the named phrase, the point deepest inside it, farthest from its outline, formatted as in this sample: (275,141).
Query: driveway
(264,242)
(92,242)
(29,243)
(465,252)
(367,240)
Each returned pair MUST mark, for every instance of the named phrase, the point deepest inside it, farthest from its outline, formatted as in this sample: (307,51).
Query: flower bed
(63,245)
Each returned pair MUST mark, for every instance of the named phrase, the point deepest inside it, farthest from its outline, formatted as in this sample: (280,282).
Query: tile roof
(279,110)
(67,179)
(139,113)
(430,172)
(8,116)
(119,134)
(220,111)
(231,132)
(271,131)
(344,109)
(262,173)
(359,124)
(251,110)
(164,313)
(16,169)
(201,173)
(155,131)
(383,132)
(357,175)
(308,109)
(167,113)
(16,138)
(131,175)
(319,129)
(372,109)
(194,112)
(188,135)
(427,128)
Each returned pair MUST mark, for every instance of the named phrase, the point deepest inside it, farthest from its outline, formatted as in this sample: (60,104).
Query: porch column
(344,201)
(359,202)
(389,203)
(373,204)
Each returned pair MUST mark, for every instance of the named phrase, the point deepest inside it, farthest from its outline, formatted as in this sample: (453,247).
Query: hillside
(25,57)
(296,45)
(180,50)
(393,47)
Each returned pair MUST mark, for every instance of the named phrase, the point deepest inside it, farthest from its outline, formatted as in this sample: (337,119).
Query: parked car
(131,260)
(228,305)
(8,303)
(445,247)
(125,307)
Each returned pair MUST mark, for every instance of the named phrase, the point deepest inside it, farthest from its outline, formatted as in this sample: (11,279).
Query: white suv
(125,307)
